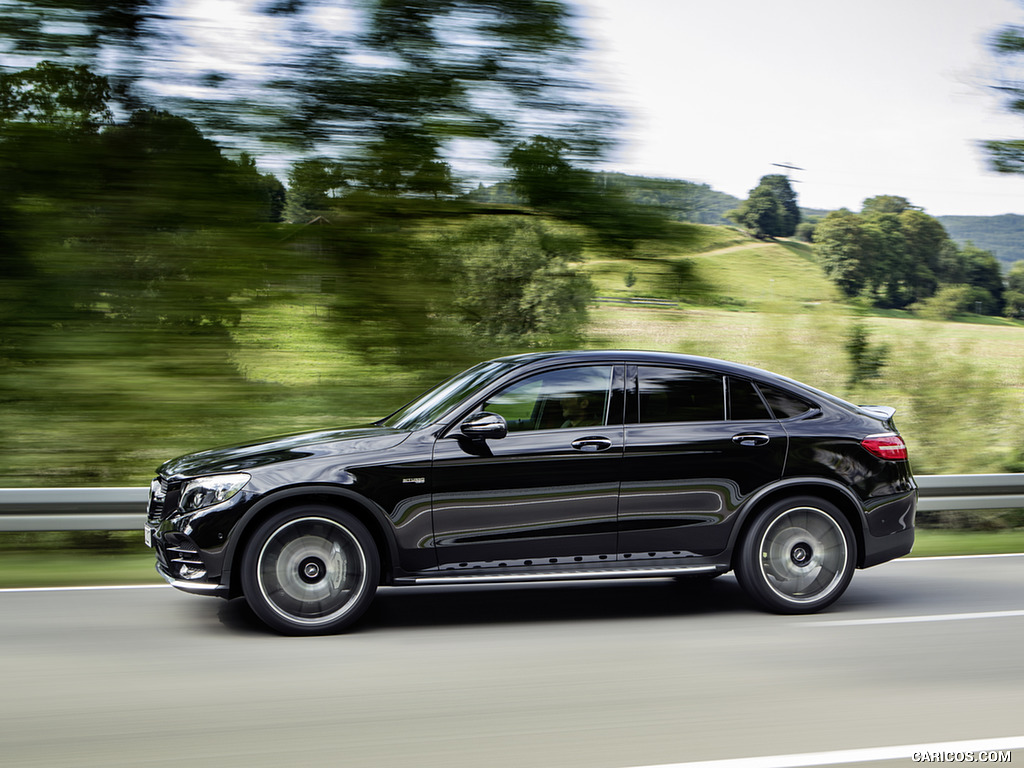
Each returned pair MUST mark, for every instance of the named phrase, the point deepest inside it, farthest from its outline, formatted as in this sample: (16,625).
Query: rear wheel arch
(348,502)
(836,495)
(798,554)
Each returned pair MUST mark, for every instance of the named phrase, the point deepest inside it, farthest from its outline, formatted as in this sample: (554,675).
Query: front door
(547,493)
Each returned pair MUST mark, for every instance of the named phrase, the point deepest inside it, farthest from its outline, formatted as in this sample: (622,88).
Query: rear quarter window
(783,404)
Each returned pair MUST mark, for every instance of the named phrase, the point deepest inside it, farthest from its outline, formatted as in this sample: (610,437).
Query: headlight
(207,491)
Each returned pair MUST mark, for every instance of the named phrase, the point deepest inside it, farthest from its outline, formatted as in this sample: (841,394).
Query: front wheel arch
(328,497)
(310,569)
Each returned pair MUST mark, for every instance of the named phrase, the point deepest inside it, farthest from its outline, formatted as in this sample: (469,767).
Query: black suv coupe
(570,465)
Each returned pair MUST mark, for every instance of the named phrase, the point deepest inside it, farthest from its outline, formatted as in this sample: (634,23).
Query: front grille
(163,497)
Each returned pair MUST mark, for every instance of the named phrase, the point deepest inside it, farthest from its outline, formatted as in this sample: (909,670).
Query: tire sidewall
(251,583)
(749,572)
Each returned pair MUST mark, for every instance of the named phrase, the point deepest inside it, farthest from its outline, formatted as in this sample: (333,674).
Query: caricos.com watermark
(979,756)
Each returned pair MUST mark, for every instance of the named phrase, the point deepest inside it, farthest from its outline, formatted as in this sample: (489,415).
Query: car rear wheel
(310,570)
(798,556)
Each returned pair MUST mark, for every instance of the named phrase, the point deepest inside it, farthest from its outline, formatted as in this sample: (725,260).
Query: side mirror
(484,426)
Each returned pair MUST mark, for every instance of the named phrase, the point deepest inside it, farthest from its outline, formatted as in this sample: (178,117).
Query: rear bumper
(889,532)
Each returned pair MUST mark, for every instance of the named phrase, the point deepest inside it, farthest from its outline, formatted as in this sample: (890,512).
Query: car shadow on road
(410,607)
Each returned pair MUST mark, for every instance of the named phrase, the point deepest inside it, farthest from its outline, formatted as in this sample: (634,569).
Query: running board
(616,573)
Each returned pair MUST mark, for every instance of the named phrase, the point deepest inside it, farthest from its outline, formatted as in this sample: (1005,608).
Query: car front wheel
(798,556)
(310,570)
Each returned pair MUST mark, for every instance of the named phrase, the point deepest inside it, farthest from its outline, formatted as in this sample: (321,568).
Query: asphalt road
(596,674)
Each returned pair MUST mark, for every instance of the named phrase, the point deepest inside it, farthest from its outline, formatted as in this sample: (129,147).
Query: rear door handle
(591,444)
(751,439)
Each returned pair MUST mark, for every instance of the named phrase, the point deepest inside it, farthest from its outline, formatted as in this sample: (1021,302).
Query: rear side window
(745,404)
(783,404)
(678,394)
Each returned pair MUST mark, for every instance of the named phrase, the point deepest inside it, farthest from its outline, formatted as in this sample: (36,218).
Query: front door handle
(751,439)
(591,444)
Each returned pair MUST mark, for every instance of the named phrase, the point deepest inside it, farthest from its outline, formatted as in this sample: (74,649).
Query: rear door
(697,443)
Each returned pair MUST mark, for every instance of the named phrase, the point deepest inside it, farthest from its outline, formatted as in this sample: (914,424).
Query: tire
(310,570)
(798,556)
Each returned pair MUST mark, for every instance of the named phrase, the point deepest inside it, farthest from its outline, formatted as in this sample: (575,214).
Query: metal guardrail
(72,509)
(122,509)
(940,493)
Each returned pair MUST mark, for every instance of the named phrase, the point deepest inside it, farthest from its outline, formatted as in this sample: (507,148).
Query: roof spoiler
(883,412)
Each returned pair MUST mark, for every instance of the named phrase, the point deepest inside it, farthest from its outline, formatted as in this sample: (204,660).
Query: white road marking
(84,589)
(908,559)
(915,619)
(902,752)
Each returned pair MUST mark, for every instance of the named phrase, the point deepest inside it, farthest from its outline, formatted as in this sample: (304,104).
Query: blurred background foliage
(160,288)
(211,235)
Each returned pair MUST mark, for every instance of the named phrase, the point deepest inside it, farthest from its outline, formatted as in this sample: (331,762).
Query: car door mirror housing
(485,426)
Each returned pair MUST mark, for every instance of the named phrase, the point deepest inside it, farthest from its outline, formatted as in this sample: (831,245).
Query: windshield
(434,403)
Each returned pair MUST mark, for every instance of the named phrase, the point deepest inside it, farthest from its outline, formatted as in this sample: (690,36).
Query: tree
(543,174)
(841,245)
(1007,44)
(771,209)
(546,178)
(1014,295)
(69,98)
(897,255)
(789,217)
(312,185)
(886,204)
(986,276)
(399,97)
(135,224)
(888,265)
(517,283)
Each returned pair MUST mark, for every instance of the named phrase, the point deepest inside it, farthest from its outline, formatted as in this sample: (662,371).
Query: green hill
(681,200)
(1002,235)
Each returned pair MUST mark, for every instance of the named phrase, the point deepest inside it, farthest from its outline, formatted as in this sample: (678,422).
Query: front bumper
(192,587)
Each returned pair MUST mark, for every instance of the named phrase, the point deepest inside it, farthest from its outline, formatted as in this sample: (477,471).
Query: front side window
(571,397)
(678,394)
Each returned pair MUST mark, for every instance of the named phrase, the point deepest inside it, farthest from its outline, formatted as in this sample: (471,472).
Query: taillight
(888,446)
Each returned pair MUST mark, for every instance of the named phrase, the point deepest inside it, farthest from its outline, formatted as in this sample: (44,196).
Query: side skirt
(601,573)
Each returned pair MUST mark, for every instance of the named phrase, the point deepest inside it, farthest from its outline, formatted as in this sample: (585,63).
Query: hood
(237,458)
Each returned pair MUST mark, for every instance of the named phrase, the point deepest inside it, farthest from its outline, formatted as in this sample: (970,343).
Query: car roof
(642,356)
(538,359)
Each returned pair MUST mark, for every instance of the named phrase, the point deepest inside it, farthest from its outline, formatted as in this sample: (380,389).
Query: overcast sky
(869,97)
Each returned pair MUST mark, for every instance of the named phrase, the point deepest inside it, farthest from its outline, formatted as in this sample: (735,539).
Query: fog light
(190,573)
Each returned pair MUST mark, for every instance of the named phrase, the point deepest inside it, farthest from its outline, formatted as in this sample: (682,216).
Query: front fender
(370,513)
